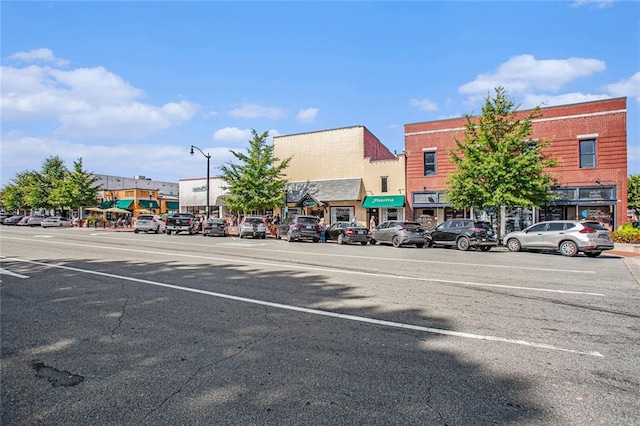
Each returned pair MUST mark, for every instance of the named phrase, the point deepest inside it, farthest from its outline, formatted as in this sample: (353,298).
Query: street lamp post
(208,157)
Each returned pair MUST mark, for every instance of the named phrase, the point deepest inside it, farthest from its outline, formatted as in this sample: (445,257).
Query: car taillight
(476,229)
(349,231)
(587,231)
(297,225)
(190,222)
(153,220)
(402,228)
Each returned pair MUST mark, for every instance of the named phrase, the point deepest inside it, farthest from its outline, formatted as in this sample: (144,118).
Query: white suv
(569,237)
(149,223)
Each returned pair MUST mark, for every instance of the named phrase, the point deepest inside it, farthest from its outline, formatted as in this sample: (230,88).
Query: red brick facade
(598,190)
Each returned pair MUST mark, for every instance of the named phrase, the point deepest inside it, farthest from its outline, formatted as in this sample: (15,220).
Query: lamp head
(191,152)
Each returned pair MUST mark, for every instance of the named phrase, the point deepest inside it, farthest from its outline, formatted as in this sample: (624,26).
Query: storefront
(589,203)
(384,207)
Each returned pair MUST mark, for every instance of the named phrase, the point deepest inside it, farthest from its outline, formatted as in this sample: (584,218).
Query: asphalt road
(116,328)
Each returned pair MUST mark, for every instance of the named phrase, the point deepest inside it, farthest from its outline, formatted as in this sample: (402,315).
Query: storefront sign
(428,197)
(596,193)
(202,188)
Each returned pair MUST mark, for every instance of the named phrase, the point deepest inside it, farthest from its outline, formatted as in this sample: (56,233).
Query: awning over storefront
(385,201)
(173,205)
(106,204)
(124,204)
(146,204)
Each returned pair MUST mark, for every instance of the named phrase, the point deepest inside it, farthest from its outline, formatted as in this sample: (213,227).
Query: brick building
(589,139)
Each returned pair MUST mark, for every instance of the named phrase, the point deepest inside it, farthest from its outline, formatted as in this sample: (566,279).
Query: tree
(633,193)
(40,188)
(256,183)
(13,194)
(77,188)
(498,163)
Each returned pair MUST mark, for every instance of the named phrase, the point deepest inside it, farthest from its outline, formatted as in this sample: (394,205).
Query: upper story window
(429,163)
(587,153)
(384,184)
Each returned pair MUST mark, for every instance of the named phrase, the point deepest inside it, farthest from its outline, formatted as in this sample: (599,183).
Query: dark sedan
(215,227)
(348,232)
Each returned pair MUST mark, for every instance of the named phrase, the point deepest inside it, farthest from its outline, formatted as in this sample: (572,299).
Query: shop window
(429,163)
(384,184)
(587,153)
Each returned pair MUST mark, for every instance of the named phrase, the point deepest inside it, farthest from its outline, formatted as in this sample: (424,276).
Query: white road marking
(350,256)
(321,312)
(11,274)
(324,269)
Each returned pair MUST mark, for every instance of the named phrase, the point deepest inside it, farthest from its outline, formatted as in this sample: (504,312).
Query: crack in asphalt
(122,313)
(240,350)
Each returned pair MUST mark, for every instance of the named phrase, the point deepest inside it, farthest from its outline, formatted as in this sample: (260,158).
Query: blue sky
(129,86)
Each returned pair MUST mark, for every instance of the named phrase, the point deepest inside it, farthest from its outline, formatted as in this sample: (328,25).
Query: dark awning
(386,201)
(173,205)
(124,204)
(146,204)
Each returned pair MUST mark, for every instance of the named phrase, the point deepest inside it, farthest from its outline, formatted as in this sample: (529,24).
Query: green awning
(106,204)
(124,204)
(146,204)
(386,201)
(173,205)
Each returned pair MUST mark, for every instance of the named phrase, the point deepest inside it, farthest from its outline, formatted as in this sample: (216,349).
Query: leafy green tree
(498,163)
(77,188)
(633,193)
(255,184)
(42,184)
(13,194)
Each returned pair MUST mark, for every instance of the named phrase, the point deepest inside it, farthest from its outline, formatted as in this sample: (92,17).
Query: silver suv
(399,233)
(569,237)
(149,223)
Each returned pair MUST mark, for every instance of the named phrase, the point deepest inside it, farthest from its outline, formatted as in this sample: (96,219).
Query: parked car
(348,232)
(4,216)
(252,226)
(463,234)
(569,237)
(149,223)
(23,221)
(299,227)
(215,227)
(12,220)
(399,233)
(35,220)
(55,222)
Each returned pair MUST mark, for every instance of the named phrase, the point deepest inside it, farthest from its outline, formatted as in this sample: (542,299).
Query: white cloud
(531,100)
(307,115)
(257,111)
(524,73)
(165,162)
(85,102)
(232,134)
(629,87)
(423,104)
(41,54)
(598,3)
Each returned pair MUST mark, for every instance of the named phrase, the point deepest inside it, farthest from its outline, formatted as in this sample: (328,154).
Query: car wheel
(514,245)
(363,243)
(135,231)
(373,242)
(485,248)
(396,241)
(463,243)
(316,240)
(568,248)
(168,232)
(592,253)
(157,231)
(289,237)
(420,245)
(340,239)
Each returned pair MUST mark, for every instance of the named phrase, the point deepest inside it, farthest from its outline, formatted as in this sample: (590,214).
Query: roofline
(323,131)
(525,110)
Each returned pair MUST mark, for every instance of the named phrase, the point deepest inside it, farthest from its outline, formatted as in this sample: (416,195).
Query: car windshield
(254,220)
(411,225)
(483,225)
(145,217)
(595,226)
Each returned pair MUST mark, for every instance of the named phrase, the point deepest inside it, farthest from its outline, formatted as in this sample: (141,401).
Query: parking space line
(282,265)
(311,311)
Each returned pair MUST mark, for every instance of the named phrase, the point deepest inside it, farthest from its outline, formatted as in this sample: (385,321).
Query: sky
(129,86)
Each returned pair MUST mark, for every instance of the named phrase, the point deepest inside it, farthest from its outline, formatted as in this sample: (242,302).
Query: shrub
(626,234)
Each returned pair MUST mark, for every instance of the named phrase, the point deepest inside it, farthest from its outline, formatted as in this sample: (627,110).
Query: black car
(299,228)
(463,234)
(213,227)
(348,232)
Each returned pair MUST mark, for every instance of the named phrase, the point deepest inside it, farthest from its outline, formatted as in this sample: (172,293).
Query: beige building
(342,174)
